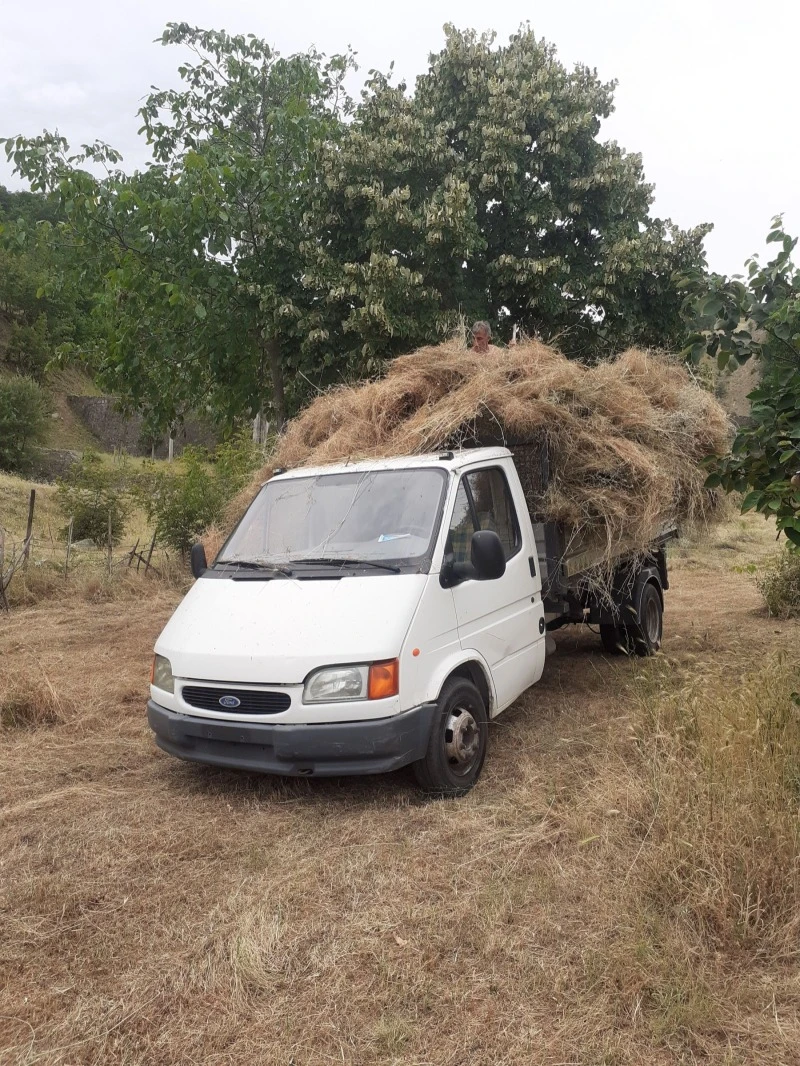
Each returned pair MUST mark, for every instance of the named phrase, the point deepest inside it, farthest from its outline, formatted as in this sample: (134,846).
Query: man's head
(481,336)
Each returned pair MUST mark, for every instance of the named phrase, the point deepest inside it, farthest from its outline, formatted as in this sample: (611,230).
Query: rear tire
(646,632)
(457,744)
(614,638)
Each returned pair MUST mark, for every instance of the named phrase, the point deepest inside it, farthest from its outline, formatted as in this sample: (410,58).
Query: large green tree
(279,242)
(198,258)
(736,319)
(488,190)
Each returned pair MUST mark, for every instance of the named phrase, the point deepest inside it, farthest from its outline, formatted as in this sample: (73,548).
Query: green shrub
(234,462)
(88,494)
(185,500)
(780,584)
(24,408)
(29,347)
(182,503)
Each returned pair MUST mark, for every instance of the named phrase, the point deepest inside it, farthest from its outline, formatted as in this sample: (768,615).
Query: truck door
(500,619)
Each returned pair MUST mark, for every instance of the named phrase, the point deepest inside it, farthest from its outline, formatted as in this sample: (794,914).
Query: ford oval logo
(229,701)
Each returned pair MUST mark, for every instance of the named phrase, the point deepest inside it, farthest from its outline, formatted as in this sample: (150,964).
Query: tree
(487,190)
(24,408)
(200,257)
(733,320)
(278,242)
(47,310)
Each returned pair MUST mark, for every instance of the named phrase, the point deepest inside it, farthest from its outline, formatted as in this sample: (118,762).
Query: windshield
(378,515)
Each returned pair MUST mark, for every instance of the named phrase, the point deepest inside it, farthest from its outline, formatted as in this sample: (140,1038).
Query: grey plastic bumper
(372,747)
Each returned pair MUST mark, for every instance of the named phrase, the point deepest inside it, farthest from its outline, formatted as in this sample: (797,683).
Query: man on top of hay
(482,339)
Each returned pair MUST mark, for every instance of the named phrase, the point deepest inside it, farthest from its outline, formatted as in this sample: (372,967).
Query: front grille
(250,700)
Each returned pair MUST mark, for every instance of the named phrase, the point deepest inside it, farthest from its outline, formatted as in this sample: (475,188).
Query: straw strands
(626,437)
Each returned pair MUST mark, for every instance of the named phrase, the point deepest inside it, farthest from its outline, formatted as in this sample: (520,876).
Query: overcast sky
(708,89)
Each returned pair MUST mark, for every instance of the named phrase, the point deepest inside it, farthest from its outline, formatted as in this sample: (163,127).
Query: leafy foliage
(39,293)
(780,585)
(185,502)
(24,408)
(487,190)
(273,246)
(200,256)
(91,495)
(734,320)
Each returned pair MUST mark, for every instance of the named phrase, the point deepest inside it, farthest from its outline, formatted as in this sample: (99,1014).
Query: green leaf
(753,499)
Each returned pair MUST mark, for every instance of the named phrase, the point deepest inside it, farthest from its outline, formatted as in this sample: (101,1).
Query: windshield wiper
(246,564)
(331,560)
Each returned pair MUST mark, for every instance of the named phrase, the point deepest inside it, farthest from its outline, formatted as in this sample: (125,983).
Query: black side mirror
(198,557)
(488,556)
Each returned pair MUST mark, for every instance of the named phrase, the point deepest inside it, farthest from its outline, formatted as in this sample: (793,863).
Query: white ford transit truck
(367,616)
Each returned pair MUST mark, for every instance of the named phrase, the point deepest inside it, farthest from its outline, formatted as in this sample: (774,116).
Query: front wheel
(457,745)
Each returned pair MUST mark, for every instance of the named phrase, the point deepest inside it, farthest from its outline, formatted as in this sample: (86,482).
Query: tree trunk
(273,349)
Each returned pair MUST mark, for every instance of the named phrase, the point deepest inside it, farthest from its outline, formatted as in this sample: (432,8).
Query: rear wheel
(457,745)
(646,632)
(614,638)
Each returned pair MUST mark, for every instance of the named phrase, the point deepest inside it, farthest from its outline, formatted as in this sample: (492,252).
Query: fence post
(109,545)
(69,545)
(29,529)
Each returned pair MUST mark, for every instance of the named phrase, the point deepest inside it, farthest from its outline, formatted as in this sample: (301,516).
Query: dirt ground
(155,912)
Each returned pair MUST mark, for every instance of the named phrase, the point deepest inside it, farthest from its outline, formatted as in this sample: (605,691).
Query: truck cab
(360,617)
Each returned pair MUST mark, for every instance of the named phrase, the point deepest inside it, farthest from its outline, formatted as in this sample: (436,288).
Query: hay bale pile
(625,438)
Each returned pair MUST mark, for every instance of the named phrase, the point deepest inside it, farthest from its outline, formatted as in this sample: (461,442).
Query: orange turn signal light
(384,679)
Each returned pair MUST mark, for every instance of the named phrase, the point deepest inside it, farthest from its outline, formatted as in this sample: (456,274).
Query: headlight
(336,683)
(370,681)
(161,674)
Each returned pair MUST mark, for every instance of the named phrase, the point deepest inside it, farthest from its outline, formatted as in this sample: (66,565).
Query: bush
(780,584)
(182,504)
(24,408)
(185,502)
(29,347)
(88,494)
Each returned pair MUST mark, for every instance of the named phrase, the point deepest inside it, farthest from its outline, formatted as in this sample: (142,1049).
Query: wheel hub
(461,739)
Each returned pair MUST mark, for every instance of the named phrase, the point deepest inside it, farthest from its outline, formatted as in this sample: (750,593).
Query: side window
(459,535)
(494,508)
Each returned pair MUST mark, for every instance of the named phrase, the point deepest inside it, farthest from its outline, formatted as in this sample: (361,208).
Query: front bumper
(331,749)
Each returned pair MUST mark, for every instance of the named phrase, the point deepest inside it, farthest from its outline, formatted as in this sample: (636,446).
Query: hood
(276,632)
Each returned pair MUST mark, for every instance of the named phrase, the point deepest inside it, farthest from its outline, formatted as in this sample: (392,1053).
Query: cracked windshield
(384,515)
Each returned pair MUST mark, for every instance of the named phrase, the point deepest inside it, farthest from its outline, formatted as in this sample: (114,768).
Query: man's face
(480,340)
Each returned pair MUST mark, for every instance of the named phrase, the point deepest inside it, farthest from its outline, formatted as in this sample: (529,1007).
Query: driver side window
(462,526)
(483,501)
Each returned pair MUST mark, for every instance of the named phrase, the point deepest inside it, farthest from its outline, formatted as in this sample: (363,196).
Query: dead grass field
(620,888)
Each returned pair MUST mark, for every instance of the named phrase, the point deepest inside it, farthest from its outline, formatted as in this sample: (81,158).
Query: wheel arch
(471,668)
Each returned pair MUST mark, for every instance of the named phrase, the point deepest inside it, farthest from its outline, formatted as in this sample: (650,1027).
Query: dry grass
(621,888)
(87,576)
(28,701)
(625,437)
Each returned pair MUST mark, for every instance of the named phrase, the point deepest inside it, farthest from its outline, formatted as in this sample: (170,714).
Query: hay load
(625,438)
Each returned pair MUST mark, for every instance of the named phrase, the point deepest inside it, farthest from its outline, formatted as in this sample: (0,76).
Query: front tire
(457,744)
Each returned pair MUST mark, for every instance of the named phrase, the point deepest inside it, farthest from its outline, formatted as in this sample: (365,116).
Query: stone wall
(116,430)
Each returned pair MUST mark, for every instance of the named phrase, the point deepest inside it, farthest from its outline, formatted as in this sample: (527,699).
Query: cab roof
(442,460)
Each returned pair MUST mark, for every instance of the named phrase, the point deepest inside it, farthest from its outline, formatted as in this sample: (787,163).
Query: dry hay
(625,438)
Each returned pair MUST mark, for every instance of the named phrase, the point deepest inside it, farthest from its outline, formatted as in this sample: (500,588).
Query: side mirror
(198,557)
(488,557)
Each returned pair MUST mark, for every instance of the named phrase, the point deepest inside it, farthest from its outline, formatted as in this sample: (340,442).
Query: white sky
(708,89)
